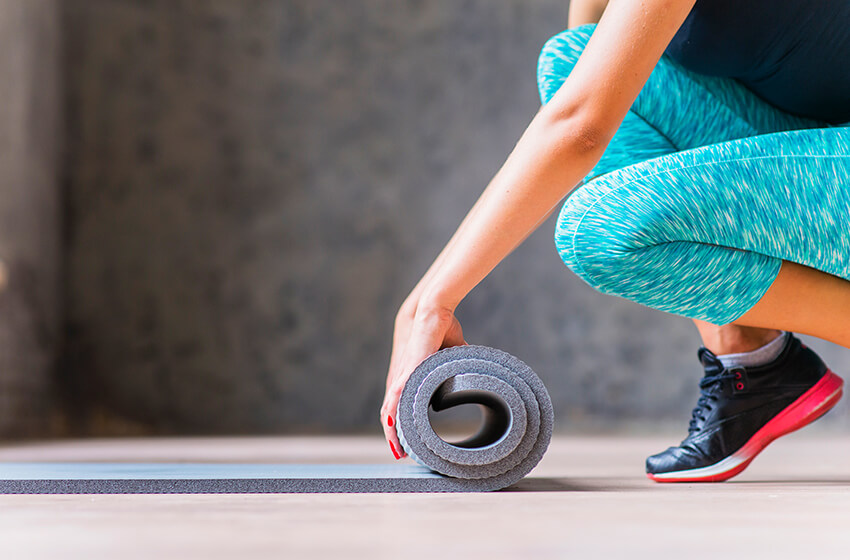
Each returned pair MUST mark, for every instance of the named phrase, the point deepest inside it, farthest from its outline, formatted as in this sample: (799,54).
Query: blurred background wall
(251,188)
(30,136)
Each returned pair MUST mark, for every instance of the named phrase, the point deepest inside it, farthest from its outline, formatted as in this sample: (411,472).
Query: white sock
(757,357)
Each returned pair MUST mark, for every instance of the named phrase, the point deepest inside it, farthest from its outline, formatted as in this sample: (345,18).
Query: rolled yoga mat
(514,435)
(517,424)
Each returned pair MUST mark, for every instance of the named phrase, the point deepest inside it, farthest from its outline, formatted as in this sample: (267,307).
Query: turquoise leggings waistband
(701,194)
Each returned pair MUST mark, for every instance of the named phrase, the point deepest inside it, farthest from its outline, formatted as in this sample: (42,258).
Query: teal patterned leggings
(702,193)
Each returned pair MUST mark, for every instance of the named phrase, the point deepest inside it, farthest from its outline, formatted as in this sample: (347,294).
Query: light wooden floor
(588,499)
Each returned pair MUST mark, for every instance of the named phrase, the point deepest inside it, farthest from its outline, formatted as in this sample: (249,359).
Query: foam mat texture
(518,416)
(208,478)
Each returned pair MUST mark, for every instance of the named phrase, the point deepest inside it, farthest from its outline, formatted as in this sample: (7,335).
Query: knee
(599,238)
(558,57)
(571,229)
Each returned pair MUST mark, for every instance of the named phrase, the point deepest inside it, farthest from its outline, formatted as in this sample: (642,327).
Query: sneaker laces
(715,373)
(707,398)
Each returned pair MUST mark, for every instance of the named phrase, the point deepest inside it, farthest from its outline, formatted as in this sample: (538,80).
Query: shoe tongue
(709,361)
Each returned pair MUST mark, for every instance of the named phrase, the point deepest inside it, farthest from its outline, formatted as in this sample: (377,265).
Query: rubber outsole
(810,406)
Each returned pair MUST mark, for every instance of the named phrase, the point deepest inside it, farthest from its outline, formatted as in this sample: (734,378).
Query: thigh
(702,232)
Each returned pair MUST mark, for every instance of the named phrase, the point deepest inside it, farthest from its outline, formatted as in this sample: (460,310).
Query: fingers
(421,345)
(389,420)
(427,335)
(425,344)
(392,395)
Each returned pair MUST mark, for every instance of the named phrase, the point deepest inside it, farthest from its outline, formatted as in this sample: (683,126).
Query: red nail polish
(395,453)
(390,421)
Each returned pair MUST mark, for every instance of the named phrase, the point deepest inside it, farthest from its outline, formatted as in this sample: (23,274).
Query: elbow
(577,131)
(587,137)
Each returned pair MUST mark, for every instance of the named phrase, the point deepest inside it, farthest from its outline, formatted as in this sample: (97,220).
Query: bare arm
(586,11)
(560,146)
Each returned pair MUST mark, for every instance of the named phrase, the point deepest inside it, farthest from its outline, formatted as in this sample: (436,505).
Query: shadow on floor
(797,482)
(561,484)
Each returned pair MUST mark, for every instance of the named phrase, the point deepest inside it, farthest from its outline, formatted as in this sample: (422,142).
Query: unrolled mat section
(514,434)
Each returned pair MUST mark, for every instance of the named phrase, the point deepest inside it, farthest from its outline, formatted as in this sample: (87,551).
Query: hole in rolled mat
(469,419)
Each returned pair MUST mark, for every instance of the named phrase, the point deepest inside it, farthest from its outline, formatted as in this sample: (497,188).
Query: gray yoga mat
(517,427)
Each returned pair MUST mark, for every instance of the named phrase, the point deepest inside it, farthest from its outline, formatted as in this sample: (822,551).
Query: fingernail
(395,453)
(390,421)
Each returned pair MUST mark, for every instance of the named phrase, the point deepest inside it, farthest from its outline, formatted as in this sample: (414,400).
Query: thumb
(454,335)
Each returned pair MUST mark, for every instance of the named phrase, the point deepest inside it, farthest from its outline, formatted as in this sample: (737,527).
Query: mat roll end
(518,417)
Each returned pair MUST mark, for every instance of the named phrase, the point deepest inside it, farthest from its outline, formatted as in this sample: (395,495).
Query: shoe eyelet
(738,375)
(739,386)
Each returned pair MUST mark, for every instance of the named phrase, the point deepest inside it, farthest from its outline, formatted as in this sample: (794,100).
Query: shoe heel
(810,406)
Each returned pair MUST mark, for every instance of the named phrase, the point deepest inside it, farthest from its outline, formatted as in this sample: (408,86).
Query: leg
(702,233)
(733,338)
(804,300)
(791,389)
(661,122)
(713,234)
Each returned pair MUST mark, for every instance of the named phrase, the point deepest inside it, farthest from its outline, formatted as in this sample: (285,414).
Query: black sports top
(795,54)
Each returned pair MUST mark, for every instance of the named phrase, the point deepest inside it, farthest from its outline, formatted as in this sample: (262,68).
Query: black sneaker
(742,410)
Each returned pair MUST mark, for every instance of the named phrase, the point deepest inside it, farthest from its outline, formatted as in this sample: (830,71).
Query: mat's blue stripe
(205,471)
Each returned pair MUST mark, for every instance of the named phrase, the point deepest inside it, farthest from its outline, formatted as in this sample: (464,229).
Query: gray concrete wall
(29,215)
(255,185)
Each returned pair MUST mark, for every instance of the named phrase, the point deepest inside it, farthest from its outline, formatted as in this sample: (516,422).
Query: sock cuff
(757,357)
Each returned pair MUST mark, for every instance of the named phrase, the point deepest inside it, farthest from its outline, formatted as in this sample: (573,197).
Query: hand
(418,334)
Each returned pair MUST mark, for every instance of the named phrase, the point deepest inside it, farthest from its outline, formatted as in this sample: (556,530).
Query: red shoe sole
(810,406)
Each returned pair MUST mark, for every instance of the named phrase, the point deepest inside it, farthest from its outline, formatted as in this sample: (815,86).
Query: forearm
(558,149)
(552,156)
